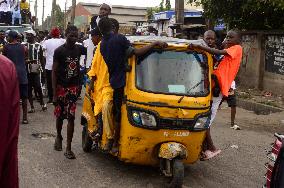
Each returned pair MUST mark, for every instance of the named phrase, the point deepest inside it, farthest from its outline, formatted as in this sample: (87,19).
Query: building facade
(127,16)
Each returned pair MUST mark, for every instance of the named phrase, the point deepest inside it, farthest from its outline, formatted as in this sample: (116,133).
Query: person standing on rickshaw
(115,48)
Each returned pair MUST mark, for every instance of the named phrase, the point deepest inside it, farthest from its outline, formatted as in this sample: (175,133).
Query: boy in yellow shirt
(25,11)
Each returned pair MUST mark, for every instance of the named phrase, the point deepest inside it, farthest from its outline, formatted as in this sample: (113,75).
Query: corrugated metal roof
(169,40)
(113,6)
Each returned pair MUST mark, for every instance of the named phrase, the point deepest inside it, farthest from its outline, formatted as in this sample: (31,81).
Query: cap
(13,34)
(31,32)
(55,32)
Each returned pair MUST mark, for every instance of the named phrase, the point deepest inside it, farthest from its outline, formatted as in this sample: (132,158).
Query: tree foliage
(245,14)
(164,5)
(161,6)
(58,16)
(168,5)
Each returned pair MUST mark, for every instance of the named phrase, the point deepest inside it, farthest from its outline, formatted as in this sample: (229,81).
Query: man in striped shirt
(34,68)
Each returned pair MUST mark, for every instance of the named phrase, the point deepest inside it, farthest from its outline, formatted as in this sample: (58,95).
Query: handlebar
(279,136)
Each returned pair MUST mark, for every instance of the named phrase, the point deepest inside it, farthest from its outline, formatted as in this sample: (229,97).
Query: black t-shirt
(113,49)
(68,71)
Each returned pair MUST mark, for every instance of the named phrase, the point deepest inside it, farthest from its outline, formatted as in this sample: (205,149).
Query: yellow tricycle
(166,108)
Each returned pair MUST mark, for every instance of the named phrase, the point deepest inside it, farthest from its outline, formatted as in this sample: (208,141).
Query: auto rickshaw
(166,108)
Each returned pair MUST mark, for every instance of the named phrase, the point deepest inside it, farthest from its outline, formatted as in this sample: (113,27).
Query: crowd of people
(59,63)
(15,12)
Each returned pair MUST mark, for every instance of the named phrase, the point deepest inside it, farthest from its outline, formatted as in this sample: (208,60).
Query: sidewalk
(261,102)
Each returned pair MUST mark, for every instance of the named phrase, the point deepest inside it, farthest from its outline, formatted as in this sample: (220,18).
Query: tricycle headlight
(144,119)
(202,123)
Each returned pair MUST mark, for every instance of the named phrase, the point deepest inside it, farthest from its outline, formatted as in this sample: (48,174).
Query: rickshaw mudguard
(171,150)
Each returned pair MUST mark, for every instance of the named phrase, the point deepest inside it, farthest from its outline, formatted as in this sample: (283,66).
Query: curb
(258,108)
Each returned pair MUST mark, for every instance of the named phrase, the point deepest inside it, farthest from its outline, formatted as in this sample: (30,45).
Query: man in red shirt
(9,123)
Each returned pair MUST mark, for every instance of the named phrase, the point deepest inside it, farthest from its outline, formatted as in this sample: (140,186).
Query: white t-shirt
(233,85)
(83,57)
(50,46)
(5,7)
(90,51)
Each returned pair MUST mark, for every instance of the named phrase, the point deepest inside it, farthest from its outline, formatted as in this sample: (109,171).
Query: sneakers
(44,107)
(235,127)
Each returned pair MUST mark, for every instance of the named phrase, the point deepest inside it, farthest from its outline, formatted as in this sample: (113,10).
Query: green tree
(151,11)
(58,16)
(168,5)
(245,14)
(161,6)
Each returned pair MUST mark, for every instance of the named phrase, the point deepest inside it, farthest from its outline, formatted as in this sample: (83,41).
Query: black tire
(178,174)
(87,142)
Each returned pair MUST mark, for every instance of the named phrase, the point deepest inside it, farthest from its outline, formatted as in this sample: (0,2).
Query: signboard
(274,54)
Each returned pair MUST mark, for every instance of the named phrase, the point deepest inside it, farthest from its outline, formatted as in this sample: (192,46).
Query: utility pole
(179,9)
(65,15)
(42,19)
(36,21)
(73,11)
(53,13)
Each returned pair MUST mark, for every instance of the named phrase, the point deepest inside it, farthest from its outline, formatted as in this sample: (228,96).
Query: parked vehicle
(166,109)
(275,167)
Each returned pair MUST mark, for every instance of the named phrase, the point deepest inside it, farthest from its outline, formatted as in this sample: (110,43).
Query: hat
(55,32)
(31,32)
(13,34)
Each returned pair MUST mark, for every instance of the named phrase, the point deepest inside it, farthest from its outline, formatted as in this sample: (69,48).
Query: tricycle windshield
(173,72)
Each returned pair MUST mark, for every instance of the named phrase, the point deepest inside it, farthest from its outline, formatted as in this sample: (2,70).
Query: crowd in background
(14,12)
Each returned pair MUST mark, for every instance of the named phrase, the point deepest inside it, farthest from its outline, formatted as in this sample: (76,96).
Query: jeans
(49,84)
(16,15)
(34,83)
(117,103)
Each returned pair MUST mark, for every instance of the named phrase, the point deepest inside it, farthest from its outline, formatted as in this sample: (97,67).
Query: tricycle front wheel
(174,169)
(178,174)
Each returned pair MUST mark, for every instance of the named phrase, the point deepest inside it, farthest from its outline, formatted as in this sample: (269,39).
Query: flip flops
(210,154)
(69,155)
(235,127)
(25,122)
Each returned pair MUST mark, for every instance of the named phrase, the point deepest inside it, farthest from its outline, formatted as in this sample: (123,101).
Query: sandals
(69,155)
(210,154)
(235,127)
(25,122)
(31,111)
(58,144)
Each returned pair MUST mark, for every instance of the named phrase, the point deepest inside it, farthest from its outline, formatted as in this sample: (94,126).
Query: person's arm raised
(207,49)
(147,48)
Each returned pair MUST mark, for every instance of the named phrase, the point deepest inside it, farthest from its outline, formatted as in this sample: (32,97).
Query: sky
(48,3)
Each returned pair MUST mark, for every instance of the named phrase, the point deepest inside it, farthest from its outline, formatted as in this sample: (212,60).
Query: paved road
(41,166)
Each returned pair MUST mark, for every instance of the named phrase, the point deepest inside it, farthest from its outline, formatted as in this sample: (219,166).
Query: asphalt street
(240,165)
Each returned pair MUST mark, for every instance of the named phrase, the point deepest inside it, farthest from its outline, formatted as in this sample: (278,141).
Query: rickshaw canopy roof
(170,40)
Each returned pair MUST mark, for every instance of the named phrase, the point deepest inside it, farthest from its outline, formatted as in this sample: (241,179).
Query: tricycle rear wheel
(87,142)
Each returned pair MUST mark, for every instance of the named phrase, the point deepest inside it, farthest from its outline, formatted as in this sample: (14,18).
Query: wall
(262,65)
(249,69)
